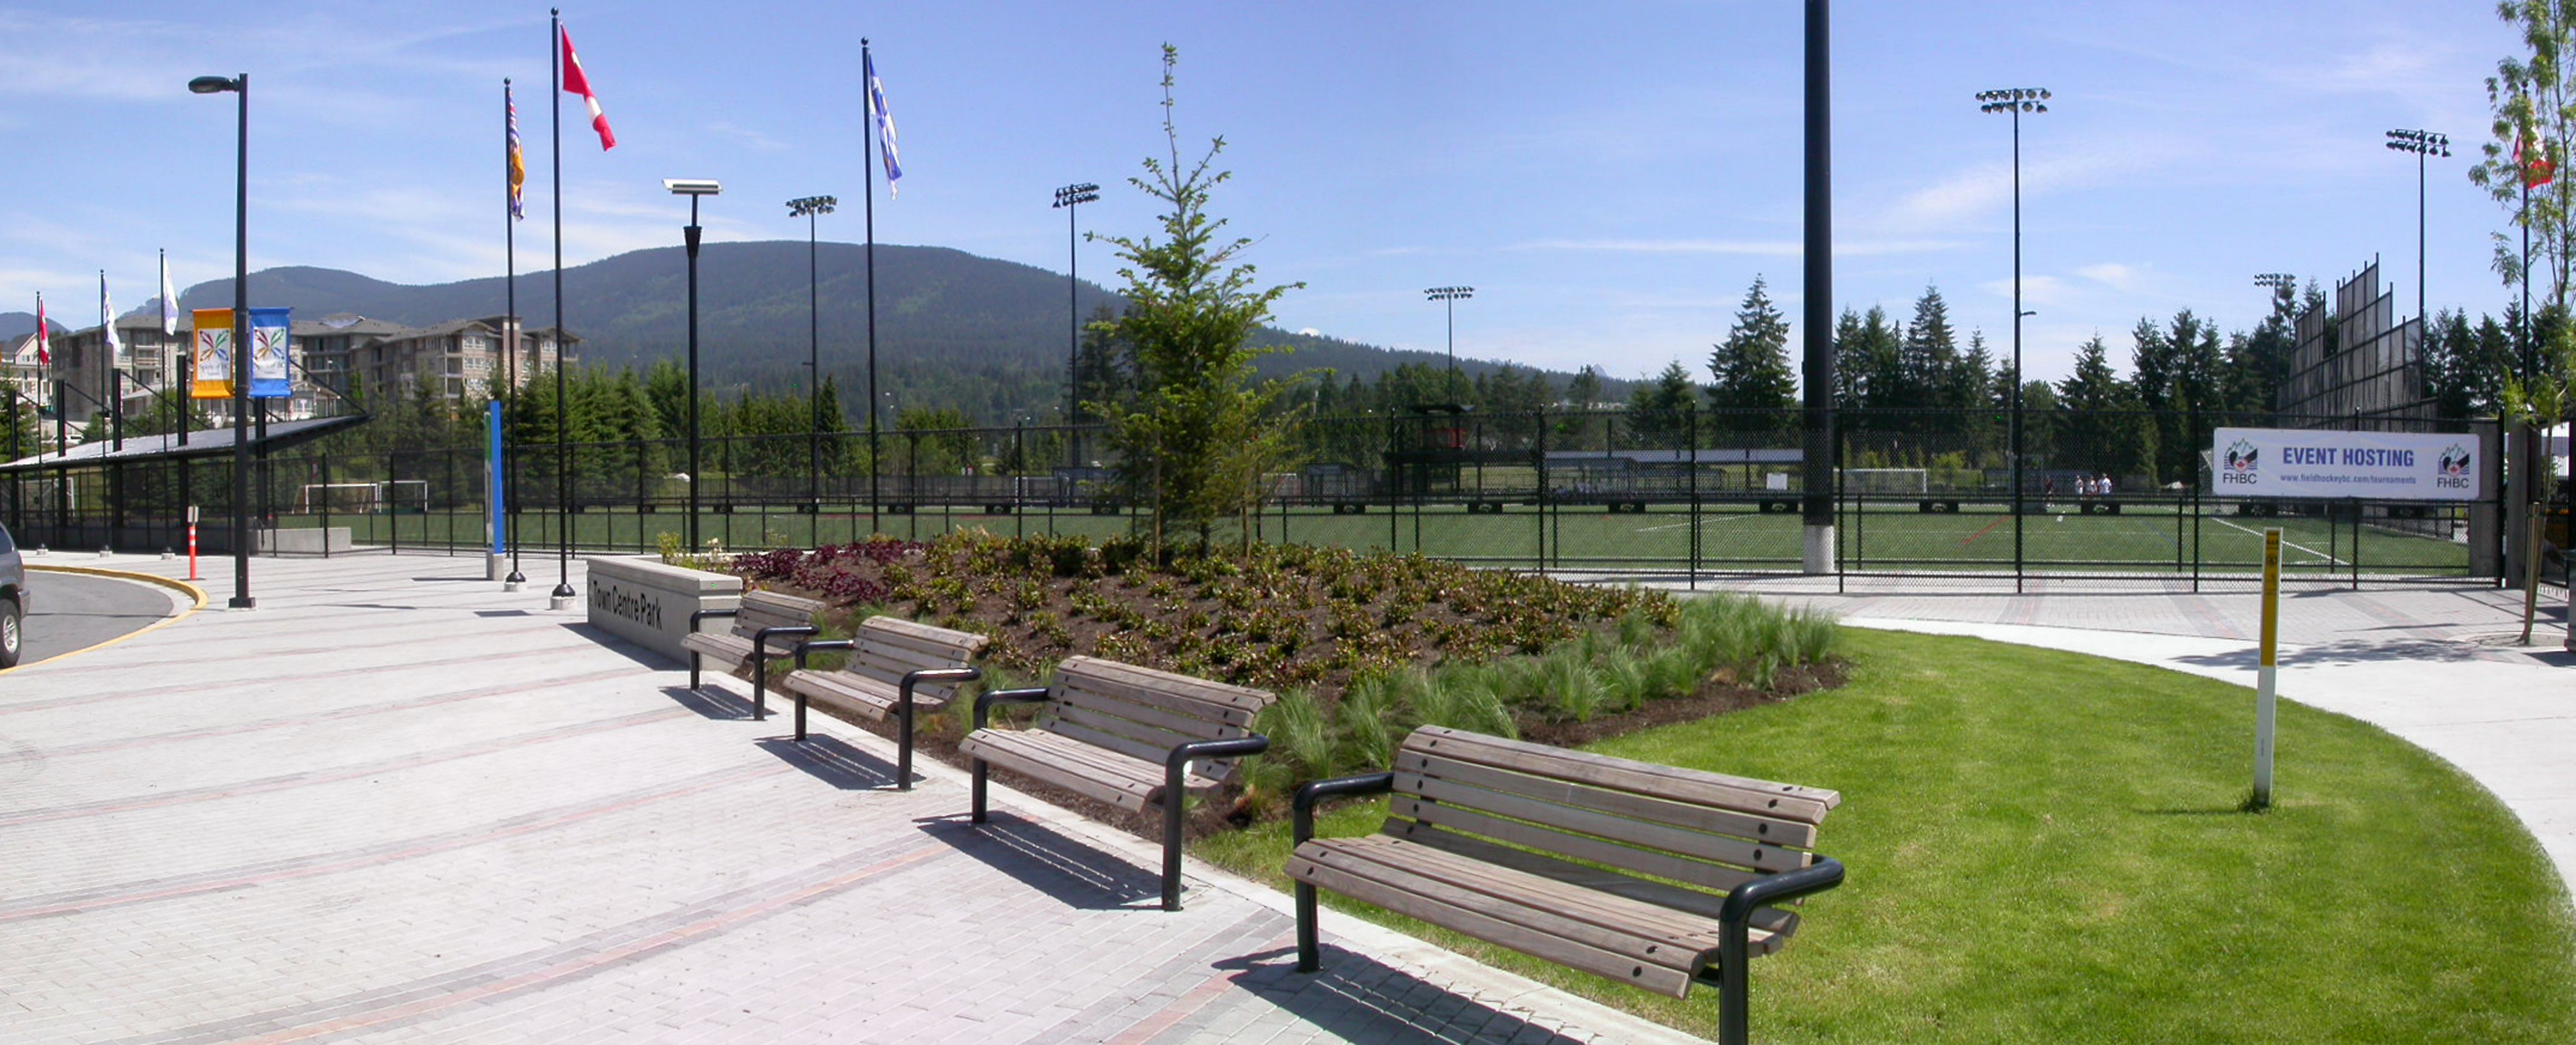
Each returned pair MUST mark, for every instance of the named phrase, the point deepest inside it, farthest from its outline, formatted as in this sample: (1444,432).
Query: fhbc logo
(2452,468)
(2237,467)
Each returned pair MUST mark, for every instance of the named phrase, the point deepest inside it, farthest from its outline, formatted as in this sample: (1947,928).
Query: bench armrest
(1313,793)
(985,701)
(1176,763)
(822,646)
(915,678)
(1741,901)
(699,615)
(760,639)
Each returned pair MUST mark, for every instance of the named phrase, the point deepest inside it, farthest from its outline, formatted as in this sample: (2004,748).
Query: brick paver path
(395,804)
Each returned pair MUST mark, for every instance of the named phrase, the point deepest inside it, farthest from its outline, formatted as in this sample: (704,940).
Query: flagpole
(867,168)
(509,335)
(169,373)
(563,592)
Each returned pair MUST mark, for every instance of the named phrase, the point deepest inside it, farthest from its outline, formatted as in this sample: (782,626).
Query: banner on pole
(2300,462)
(268,346)
(213,377)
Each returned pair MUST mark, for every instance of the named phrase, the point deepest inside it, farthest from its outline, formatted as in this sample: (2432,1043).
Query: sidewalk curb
(196,595)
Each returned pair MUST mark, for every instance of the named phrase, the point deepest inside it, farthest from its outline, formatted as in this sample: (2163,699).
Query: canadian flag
(44,334)
(575,82)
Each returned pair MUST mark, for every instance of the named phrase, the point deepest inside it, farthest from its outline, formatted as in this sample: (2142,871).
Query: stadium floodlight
(2016,101)
(1067,199)
(1450,297)
(2422,144)
(810,208)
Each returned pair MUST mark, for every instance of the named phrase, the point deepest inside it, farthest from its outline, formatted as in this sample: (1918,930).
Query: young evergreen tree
(1658,410)
(1749,371)
(1925,358)
(1201,431)
(2103,430)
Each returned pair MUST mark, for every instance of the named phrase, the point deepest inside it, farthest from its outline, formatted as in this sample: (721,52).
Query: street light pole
(1067,199)
(2016,101)
(808,208)
(239,85)
(1449,298)
(692,188)
(2422,144)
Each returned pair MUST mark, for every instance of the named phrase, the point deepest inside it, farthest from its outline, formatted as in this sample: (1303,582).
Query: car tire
(13,634)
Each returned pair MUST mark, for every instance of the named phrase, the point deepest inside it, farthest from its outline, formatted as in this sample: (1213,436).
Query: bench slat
(1686,907)
(1069,766)
(1741,794)
(926,639)
(1624,804)
(1129,747)
(848,692)
(1675,936)
(1560,828)
(1485,920)
(1107,683)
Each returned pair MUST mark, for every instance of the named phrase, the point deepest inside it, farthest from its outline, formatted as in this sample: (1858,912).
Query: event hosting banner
(2297,462)
(214,354)
(268,344)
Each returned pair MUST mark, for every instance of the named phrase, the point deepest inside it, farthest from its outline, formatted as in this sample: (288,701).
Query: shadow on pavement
(714,704)
(1356,998)
(831,761)
(617,644)
(2349,651)
(1078,874)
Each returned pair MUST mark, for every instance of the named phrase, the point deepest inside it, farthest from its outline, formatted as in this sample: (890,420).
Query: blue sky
(1609,176)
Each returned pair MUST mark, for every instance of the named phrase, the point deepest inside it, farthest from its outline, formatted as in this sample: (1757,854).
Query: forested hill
(953,329)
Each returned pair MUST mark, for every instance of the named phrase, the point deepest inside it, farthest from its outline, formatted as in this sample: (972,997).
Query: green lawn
(2045,847)
(2146,539)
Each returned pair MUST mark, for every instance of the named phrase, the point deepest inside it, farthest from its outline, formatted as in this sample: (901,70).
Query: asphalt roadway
(74,611)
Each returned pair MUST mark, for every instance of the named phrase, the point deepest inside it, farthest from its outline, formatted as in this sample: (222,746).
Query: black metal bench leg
(1309,950)
(1734,987)
(1172,812)
(903,745)
(978,815)
(800,716)
(759,686)
(693,670)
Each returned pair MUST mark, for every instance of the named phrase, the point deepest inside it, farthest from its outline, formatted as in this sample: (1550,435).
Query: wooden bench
(763,616)
(895,666)
(1133,737)
(1572,858)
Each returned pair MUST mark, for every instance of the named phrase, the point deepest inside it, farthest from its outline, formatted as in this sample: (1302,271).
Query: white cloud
(751,138)
(2125,278)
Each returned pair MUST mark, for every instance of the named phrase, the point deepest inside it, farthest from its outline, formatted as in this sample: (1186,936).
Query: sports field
(2167,538)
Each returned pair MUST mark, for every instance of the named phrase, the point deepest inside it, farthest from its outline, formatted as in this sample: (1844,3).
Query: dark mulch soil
(1295,618)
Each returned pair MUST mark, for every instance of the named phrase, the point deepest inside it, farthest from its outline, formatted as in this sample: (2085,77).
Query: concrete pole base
(496,567)
(1818,557)
(559,602)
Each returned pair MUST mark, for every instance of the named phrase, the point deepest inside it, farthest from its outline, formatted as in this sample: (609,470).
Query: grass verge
(2048,847)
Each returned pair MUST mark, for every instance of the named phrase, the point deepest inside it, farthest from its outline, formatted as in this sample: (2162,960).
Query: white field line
(1712,520)
(2286,542)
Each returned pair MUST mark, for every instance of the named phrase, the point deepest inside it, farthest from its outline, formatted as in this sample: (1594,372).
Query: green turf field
(2145,539)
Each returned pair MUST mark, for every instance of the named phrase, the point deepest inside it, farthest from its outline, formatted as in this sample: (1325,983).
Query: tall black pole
(813,361)
(694,471)
(563,592)
(241,599)
(1073,335)
(2016,363)
(867,169)
(1818,374)
(509,338)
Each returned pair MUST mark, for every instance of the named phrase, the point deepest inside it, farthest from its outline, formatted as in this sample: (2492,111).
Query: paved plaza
(395,804)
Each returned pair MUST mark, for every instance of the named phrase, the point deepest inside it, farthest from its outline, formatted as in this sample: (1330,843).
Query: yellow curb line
(195,594)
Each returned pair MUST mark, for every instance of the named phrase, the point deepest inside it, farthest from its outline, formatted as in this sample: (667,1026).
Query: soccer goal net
(1887,482)
(405,495)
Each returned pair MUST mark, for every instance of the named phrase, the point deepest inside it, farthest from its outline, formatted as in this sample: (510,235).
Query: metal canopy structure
(202,443)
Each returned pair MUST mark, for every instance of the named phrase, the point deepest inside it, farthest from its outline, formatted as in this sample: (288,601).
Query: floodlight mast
(809,208)
(2423,144)
(2016,101)
(1067,199)
(1449,297)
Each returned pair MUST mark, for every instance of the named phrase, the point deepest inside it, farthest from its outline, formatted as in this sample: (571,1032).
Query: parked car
(13,601)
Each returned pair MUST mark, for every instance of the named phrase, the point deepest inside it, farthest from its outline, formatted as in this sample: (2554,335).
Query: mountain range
(952,329)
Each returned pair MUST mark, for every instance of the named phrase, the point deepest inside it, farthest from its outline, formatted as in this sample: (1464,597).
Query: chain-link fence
(1689,491)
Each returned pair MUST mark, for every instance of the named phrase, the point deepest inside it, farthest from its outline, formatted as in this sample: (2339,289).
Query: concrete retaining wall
(639,598)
